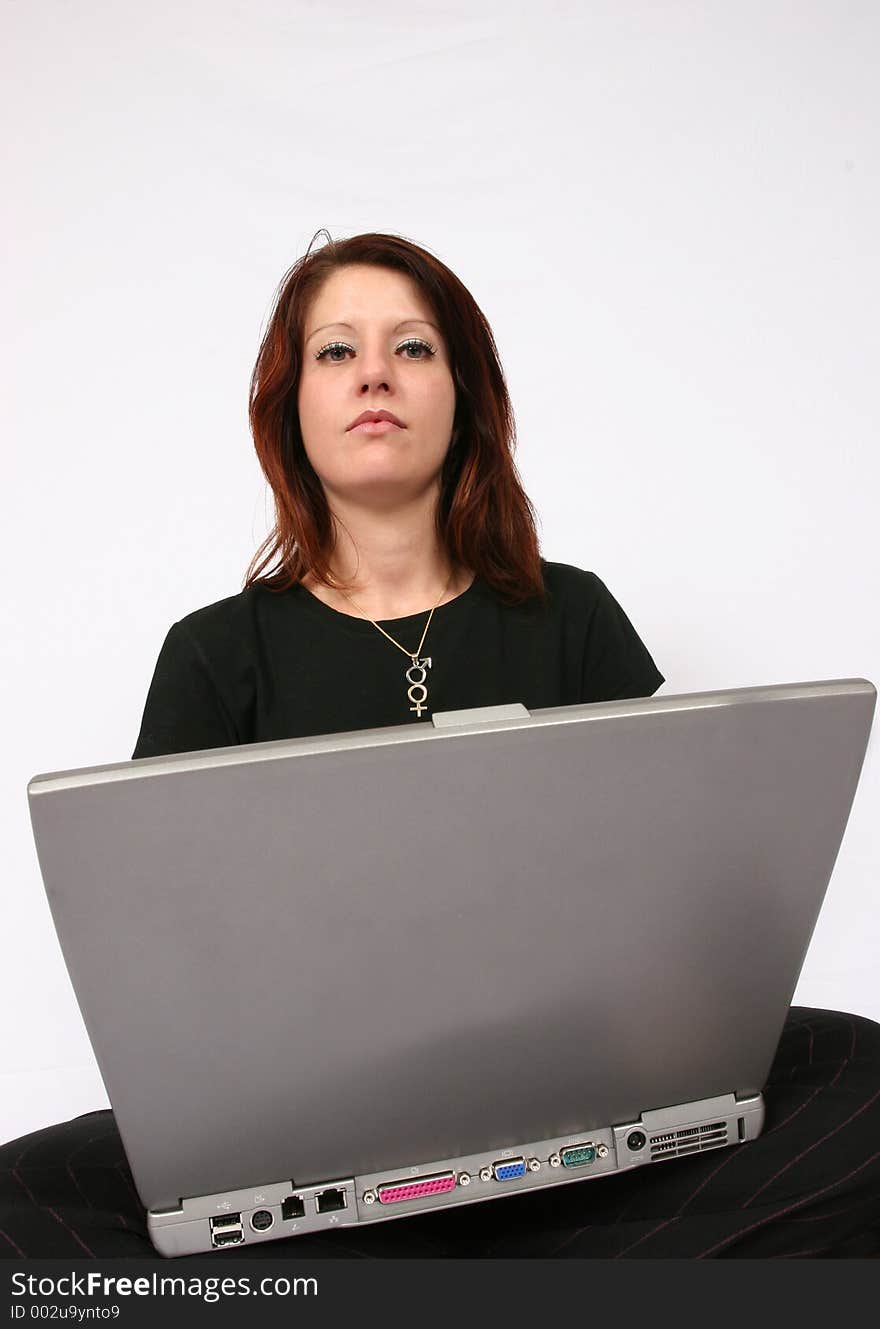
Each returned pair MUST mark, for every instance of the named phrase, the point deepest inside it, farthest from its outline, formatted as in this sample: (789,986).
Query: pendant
(416,675)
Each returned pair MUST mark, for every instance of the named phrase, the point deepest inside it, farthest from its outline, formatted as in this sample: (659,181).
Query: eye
(419,346)
(331,350)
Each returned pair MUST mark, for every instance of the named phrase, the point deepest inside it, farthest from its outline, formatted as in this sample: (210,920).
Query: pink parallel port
(395,1191)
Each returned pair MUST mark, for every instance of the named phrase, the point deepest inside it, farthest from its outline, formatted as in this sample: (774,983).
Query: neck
(391,568)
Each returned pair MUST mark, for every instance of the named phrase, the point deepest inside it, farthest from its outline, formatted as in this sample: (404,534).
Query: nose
(377,368)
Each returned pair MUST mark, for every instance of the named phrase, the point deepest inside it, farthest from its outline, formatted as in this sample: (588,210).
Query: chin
(387,485)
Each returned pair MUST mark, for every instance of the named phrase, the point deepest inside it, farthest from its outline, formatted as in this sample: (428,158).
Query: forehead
(363,294)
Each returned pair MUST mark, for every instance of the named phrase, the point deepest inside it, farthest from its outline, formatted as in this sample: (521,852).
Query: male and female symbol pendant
(417,691)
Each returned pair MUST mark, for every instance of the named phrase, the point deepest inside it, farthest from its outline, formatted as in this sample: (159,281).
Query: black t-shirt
(265,665)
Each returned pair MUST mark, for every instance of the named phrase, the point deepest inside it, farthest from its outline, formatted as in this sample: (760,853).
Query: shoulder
(616,662)
(231,622)
(570,586)
(207,618)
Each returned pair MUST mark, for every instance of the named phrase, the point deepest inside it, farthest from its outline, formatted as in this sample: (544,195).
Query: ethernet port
(330,1200)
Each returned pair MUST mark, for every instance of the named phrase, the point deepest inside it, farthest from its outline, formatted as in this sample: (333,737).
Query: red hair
(485,521)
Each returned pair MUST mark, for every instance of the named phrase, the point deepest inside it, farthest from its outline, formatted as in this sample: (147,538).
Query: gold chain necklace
(418,670)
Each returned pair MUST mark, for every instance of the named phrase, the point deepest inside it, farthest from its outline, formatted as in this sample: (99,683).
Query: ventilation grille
(691,1140)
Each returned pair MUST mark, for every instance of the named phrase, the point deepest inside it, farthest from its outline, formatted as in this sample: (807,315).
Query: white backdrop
(669,214)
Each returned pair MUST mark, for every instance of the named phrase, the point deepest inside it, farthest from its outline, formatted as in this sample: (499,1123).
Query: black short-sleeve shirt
(263,665)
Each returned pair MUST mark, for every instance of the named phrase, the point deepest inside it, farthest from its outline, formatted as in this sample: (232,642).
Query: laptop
(344,979)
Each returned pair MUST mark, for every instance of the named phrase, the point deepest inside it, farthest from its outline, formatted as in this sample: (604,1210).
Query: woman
(408,581)
(408,536)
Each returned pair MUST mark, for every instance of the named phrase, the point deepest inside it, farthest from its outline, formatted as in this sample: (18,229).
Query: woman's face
(370,343)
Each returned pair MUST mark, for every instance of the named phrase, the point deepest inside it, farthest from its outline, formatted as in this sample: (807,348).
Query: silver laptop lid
(335,955)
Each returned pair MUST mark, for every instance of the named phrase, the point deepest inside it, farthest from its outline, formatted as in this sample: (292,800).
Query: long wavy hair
(484,519)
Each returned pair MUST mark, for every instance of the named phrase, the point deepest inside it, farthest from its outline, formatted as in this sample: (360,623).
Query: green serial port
(577,1155)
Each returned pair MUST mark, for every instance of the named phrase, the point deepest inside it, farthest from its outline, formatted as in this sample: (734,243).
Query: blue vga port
(508,1169)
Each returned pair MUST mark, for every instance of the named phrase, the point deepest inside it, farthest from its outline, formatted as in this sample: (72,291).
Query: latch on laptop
(481,715)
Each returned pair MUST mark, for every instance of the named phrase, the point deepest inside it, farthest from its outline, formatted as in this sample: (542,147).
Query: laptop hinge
(481,715)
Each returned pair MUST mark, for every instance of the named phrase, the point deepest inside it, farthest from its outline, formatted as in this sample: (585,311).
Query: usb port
(229,1238)
(227,1231)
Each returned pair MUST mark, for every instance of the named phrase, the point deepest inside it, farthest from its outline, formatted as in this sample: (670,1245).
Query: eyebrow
(405,322)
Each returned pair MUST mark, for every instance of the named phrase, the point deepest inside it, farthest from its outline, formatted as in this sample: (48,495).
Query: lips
(376,417)
(375,427)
